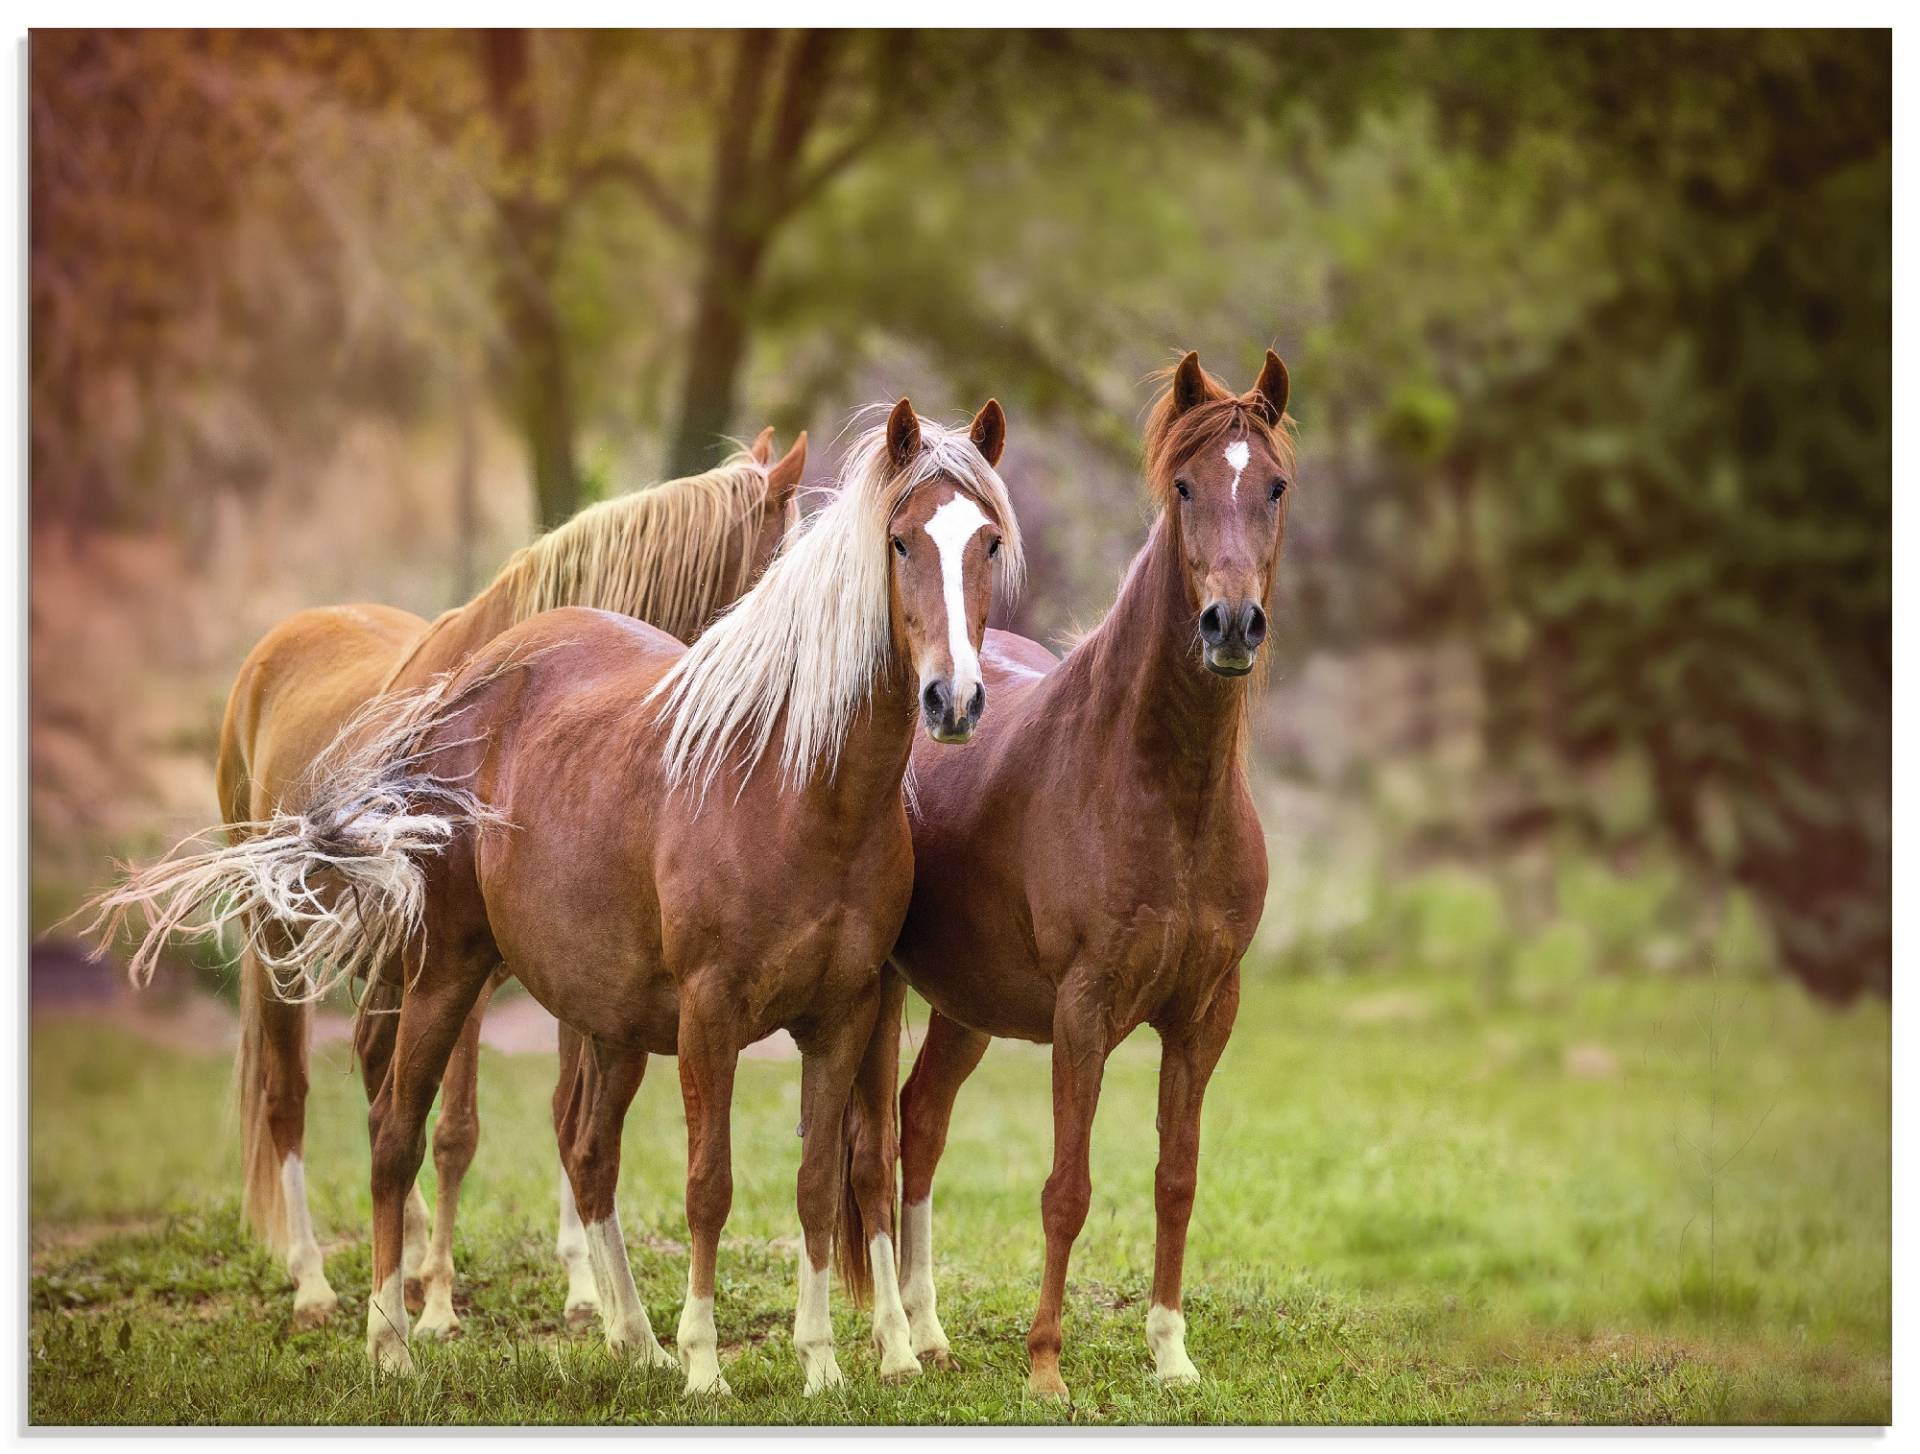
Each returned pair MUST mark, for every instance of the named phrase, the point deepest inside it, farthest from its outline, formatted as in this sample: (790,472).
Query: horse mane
(1220,417)
(666,553)
(810,637)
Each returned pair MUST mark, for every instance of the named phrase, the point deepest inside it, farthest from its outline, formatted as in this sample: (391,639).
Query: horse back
(296,689)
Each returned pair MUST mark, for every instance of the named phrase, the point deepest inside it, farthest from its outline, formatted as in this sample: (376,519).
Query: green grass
(1616,1202)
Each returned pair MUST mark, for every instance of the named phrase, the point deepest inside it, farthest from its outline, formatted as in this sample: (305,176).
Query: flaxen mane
(672,554)
(811,635)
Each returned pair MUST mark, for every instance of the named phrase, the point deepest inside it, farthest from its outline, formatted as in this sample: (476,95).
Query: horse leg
(1188,1054)
(430,1021)
(947,1057)
(871,1180)
(610,1077)
(708,1059)
(455,1136)
(583,1297)
(1079,1058)
(830,1053)
(373,1032)
(273,1106)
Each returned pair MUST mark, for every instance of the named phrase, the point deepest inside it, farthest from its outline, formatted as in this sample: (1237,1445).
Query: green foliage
(1590,332)
(1452,919)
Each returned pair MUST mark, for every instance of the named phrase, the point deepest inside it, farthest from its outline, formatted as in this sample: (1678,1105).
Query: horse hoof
(580,1317)
(391,1358)
(941,1359)
(436,1331)
(822,1373)
(1048,1386)
(315,1314)
(414,1291)
(904,1374)
(1180,1378)
(718,1388)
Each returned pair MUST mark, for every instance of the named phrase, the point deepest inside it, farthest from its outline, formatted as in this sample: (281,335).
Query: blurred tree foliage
(1590,332)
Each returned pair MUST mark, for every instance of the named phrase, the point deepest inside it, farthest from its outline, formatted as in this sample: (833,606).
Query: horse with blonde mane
(674,555)
(677,850)
(1092,864)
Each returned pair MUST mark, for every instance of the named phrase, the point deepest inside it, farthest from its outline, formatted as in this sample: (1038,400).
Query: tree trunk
(716,352)
(547,418)
(736,230)
(528,239)
(466,503)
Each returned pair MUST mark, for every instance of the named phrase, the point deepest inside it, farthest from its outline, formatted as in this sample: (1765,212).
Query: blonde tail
(262,1195)
(327,894)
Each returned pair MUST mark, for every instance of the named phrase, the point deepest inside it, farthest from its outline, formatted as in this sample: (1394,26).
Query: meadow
(1626,1200)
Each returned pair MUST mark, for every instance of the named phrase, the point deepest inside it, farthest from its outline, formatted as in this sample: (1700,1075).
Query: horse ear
(989,431)
(762,448)
(1189,384)
(782,478)
(1269,395)
(903,433)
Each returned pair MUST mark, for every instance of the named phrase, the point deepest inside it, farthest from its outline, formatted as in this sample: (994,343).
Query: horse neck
(454,637)
(1145,688)
(873,758)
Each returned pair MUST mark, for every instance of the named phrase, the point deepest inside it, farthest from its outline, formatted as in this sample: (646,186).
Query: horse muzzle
(946,720)
(1230,636)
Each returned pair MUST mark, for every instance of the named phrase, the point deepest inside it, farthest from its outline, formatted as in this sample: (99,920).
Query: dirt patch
(176,1014)
(50,1238)
(1390,1007)
(1590,1062)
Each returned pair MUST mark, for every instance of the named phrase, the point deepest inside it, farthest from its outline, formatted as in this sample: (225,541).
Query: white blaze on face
(1236,456)
(951,527)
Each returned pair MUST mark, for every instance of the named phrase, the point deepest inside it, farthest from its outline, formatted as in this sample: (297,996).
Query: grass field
(1627,1201)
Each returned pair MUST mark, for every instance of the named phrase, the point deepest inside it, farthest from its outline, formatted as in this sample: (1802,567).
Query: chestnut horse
(677,850)
(1094,863)
(673,555)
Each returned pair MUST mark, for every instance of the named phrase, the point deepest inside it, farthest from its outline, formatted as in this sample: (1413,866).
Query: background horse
(1094,863)
(673,555)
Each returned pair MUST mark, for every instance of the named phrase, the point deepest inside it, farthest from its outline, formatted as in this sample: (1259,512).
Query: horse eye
(993,547)
(900,547)
(1279,489)
(1181,486)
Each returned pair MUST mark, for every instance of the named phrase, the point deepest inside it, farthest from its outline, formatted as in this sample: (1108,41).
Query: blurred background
(1583,642)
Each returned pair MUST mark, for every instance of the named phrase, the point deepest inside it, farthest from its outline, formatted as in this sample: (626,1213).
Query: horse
(674,555)
(1091,864)
(677,850)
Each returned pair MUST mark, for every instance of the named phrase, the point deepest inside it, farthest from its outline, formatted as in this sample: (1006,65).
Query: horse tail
(871,1150)
(262,1196)
(850,1251)
(322,895)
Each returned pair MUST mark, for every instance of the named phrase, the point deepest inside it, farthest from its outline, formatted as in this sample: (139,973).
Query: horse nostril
(935,699)
(978,704)
(1213,625)
(1255,628)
